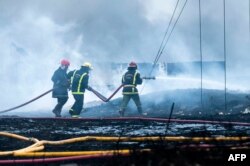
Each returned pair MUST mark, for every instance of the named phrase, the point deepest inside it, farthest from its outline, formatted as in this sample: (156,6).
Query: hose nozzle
(148,78)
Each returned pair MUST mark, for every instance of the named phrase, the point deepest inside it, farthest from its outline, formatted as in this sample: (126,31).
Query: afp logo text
(237,157)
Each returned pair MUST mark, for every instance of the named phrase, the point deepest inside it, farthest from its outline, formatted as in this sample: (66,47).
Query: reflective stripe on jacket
(79,81)
(130,80)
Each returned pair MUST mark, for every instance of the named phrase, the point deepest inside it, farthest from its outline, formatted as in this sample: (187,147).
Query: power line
(201,56)
(161,49)
(225,60)
(166,32)
(172,30)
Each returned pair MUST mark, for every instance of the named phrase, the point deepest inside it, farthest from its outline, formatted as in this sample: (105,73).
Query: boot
(71,112)
(75,116)
(140,111)
(84,110)
(121,112)
(57,113)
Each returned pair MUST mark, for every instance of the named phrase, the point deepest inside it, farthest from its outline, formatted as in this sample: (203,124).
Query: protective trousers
(58,108)
(125,101)
(77,106)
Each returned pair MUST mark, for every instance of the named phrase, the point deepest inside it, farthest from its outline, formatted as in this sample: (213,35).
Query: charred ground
(187,106)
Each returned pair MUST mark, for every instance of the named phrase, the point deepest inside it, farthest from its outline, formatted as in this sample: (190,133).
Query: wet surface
(128,127)
(187,106)
(59,129)
(163,153)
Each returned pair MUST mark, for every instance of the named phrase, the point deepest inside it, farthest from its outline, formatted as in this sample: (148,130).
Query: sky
(36,34)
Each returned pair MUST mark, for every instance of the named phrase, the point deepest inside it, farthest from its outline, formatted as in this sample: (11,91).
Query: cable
(161,49)
(225,53)
(166,32)
(172,30)
(201,56)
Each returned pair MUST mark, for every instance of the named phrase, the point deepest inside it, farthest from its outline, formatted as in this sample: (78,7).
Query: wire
(201,56)
(172,30)
(162,46)
(166,32)
(225,53)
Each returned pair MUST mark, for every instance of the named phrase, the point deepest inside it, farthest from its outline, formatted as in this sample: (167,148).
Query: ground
(187,106)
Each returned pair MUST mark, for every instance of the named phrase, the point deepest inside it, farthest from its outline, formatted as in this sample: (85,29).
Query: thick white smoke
(36,35)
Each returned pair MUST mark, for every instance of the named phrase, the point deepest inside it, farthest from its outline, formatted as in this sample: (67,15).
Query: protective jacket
(79,81)
(61,83)
(130,80)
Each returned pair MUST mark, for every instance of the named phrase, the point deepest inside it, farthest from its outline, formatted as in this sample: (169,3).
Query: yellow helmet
(87,64)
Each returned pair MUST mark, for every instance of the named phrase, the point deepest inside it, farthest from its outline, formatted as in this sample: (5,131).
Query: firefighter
(130,80)
(79,82)
(60,87)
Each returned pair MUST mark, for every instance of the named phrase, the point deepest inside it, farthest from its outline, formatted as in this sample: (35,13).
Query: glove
(89,88)
(69,88)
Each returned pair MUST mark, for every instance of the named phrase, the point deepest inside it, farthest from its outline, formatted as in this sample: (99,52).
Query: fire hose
(45,93)
(103,98)
(40,144)
(100,96)
(60,159)
(28,102)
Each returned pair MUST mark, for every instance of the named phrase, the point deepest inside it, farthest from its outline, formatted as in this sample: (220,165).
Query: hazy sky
(36,34)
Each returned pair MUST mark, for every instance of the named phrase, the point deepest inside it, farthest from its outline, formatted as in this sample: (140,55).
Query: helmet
(132,64)
(87,64)
(65,62)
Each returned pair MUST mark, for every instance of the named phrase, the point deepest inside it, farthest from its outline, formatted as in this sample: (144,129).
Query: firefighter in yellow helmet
(79,82)
(130,80)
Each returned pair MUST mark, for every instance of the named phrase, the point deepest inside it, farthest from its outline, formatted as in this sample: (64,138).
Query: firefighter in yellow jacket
(79,82)
(130,80)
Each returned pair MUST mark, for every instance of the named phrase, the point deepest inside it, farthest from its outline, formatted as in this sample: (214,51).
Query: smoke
(36,35)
